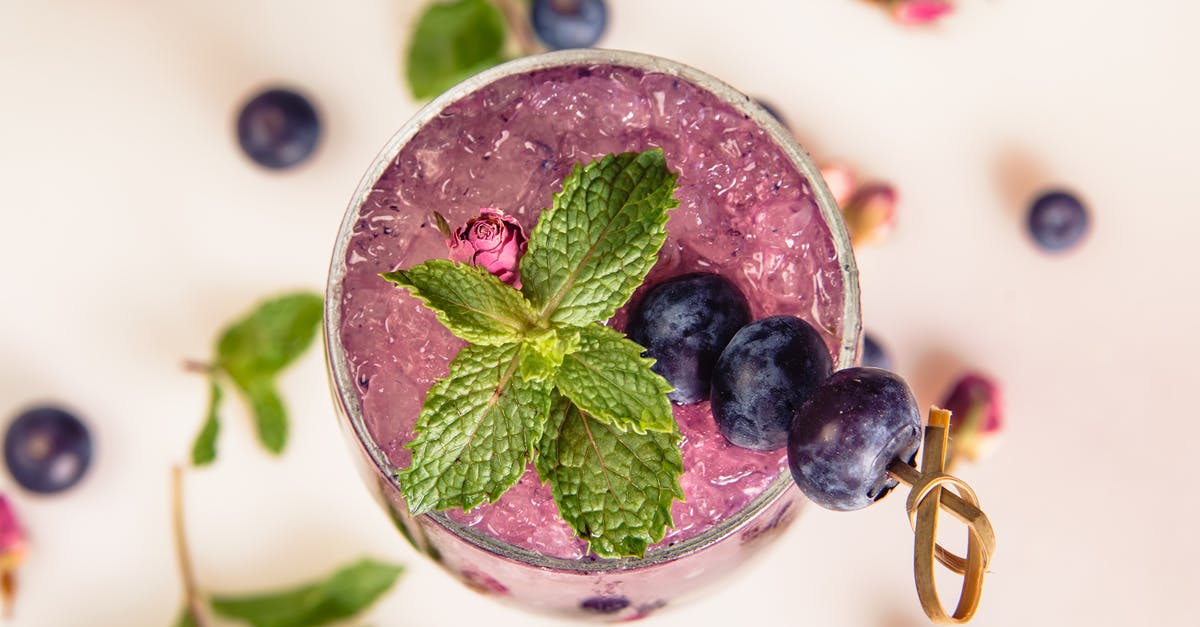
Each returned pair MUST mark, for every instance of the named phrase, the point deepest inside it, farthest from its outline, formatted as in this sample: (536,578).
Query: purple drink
(506,139)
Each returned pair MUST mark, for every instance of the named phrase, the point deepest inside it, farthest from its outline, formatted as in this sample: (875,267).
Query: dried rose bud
(12,552)
(920,11)
(841,180)
(493,241)
(977,416)
(870,213)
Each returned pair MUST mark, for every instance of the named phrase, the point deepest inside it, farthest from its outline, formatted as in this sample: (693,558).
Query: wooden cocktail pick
(930,492)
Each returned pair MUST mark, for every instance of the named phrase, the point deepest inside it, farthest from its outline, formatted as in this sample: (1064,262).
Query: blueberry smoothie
(507,139)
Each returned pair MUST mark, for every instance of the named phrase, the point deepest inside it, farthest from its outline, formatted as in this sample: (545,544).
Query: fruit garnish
(562,24)
(684,323)
(542,380)
(856,438)
(1057,220)
(977,417)
(762,378)
(47,449)
(278,128)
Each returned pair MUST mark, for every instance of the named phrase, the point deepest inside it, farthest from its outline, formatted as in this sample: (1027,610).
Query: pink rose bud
(977,416)
(870,213)
(493,241)
(12,553)
(920,11)
(841,180)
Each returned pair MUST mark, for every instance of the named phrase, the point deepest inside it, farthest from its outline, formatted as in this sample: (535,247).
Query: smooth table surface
(132,228)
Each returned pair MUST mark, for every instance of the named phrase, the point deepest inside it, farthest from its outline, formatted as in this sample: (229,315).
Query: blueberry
(278,128)
(1057,220)
(562,24)
(604,605)
(684,323)
(763,377)
(47,449)
(843,439)
(873,353)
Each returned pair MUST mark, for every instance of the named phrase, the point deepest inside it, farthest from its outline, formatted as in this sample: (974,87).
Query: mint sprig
(452,41)
(251,352)
(481,425)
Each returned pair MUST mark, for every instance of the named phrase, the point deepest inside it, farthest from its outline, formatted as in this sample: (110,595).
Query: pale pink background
(131,228)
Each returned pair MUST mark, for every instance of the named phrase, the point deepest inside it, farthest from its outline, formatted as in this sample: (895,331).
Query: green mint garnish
(342,595)
(614,487)
(252,352)
(481,425)
(476,431)
(594,246)
(453,40)
(471,302)
(608,378)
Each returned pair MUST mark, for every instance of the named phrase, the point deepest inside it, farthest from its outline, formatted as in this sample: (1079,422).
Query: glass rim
(342,383)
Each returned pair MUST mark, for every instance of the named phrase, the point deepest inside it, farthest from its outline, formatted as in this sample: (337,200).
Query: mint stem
(197,366)
(516,14)
(191,593)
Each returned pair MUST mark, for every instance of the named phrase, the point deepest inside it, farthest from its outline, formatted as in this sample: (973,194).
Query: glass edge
(342,386)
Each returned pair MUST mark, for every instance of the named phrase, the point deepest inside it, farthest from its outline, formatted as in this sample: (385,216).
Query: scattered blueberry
(843,439)
(873,354)
(763,377)
(562,24)
(684,323)
(604,605)
(770,108)
(47,450)
(278,128)
(1057,220)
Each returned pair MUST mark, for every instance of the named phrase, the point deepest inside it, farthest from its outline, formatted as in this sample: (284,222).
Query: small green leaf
(259,345)
(344,594)
(204,450)
(186,618)
(269,338)
(471,302)
(476,431)
(270,417)
(453,40)
(536,366)
(608,378)
(613,487)
(594,246)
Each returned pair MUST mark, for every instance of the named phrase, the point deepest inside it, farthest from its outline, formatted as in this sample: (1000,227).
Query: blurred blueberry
(278,128)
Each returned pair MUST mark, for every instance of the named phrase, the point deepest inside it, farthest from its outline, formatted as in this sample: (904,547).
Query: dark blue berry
(873,354)
(684,323)
(1057,220)
(562,24)
(47,450)
(604,605)
(855,425)
(278,128)
(767,371)
(769,108)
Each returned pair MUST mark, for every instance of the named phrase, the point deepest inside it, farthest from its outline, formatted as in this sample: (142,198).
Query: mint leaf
(613,487)
(344,594)
(594,246)
(608,378)
(270,337)
(476,431)
(452,41)
(204,450)
(270,417)
(258,346)
(471,302)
